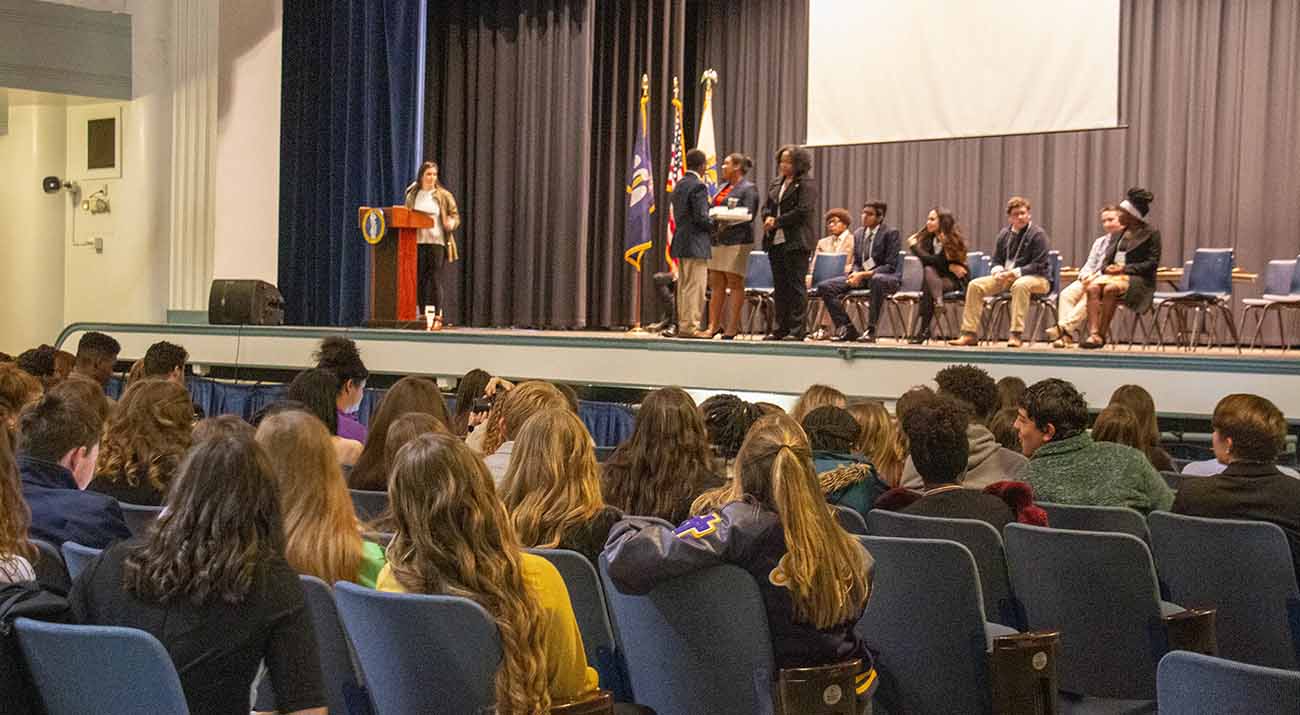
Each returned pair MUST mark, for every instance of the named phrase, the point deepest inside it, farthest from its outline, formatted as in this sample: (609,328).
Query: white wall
(248,140)
(32,230)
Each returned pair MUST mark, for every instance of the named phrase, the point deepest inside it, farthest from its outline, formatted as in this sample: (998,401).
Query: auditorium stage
(1181,382)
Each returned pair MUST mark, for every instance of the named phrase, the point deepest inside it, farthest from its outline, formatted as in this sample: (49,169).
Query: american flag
(676,170)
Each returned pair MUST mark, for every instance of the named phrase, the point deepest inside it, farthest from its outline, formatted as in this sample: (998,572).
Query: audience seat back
(1099,591)
(925,623)
(850,520)
(982,540)
(1192,683)
(421,653)
(1078,517)
(104,670)
(588,599)
(1241,568)
(77,557)
(696,644)
(139,517)
(51,572)
(368,504)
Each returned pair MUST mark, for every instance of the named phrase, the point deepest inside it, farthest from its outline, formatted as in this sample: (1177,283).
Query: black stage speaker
(244,301)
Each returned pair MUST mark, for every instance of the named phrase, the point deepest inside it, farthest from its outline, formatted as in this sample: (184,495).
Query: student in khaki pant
(1019,265)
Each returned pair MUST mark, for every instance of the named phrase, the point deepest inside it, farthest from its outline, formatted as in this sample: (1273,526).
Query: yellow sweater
(566,662)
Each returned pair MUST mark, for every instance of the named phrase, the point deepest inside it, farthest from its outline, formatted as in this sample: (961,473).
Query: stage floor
(1182,382)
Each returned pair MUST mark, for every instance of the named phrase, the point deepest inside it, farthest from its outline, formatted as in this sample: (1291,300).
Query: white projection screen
(904,70)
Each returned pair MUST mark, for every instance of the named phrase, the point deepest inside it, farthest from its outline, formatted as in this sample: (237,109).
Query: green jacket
(1078,470)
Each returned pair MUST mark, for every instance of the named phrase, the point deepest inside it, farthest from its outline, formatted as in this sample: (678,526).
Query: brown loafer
(966,340)
(1014,341)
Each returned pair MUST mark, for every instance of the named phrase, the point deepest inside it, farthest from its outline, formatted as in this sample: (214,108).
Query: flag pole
(636,280)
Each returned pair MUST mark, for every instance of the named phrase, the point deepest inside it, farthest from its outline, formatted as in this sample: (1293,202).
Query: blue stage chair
(1099,590)
(982,540)
(139,517)
(367,504)
(696,644)
(592,614)
(77,557)
(925,622)
(104,670)
(1116,519)
(1241,568)
(1208,293)
(420,653)
(978,265)
(909,294)
(1281,294)
(1192,684)
(825,266)
(759,287)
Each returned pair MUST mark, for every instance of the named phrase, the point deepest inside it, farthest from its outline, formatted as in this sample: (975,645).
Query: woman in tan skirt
(731,247)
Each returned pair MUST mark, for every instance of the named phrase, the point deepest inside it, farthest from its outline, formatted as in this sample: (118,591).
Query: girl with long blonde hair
(777,526)
(453,537)
(552,487)
(881,441)
(145,439)
(321,532)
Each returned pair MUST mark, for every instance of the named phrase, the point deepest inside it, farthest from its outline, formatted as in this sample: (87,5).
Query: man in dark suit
(876,266)
(691,246)
(790,233)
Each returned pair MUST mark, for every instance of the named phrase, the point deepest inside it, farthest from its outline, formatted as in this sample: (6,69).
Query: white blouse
(425,202)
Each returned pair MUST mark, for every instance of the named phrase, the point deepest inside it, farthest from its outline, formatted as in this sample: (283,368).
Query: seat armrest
(1191,630)
(1022,673)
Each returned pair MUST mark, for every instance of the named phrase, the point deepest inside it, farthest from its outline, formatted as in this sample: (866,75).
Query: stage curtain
(530,112)
(348,137)
(1209,92)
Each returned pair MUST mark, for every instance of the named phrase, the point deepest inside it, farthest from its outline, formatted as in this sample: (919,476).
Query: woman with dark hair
(340,355)
(790,234)
(144,442)
(473,386)
(727,418)
(409,394)
(942,250)
(1137,399)
(17,390)
(316,391)
(436,246)
(666,462)
(1130,268)
(210,582)
(732,244)
(16,552)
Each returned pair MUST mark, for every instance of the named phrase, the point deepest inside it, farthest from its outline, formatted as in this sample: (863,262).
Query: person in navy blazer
(790,233)
(876,266)
(692,246)
(731,247)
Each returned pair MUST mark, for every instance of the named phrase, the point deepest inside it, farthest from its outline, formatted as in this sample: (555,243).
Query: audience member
(316,390)
(84,391)
(570,396)
(341,356)
(57,448)
(404,429)
(941,249)
(817,396)
(1010,389)
(988,460)
(1020,266)
(322,536)
(17,390)
(1073,298)
(769,408)
(221,426)
(1249,433)
(847,477)
(772,522)
(552,488)
(144,442)
(437,486)
(96,355)
(1066,466)
(1137,399)
(471,389)
(727,419)
(665,464)
(16,552)
(39,362)
(1211,467)
(64,362)
(936,433)
(1003,426)
(135,373)
(166,361)
(1117,424)
(210,582)
(409,394)
(880,440)
(508,415)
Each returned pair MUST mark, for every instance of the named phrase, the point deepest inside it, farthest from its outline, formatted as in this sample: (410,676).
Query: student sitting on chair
(1019,266)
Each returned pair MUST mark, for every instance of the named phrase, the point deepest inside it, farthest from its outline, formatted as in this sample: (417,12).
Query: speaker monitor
(244,301)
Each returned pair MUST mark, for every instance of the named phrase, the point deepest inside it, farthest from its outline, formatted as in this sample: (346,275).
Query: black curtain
(349,108)
(530,112)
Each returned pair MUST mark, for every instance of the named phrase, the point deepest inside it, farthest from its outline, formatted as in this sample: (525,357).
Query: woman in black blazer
(1130,272)
(942,250)
(790,229)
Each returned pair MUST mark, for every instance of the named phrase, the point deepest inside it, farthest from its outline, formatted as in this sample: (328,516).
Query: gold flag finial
(676,88)
(645,85)
(709,78)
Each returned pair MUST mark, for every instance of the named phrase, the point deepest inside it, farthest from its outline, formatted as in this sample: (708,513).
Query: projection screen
(903,70)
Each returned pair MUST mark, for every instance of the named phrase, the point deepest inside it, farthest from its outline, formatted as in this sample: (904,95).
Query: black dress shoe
(670,331)
(846,334)
(795,337)
(918,339)
(728,337)
(868,337)
(775,336)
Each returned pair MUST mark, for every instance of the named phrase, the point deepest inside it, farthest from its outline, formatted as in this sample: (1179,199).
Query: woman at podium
(436,246)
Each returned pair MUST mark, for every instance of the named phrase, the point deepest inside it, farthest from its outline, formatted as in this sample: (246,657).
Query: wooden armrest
(1191,630)
(1022,673)
(822,690)
(599,703)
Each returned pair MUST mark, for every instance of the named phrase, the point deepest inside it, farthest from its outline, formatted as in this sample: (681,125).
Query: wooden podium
(393,291)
